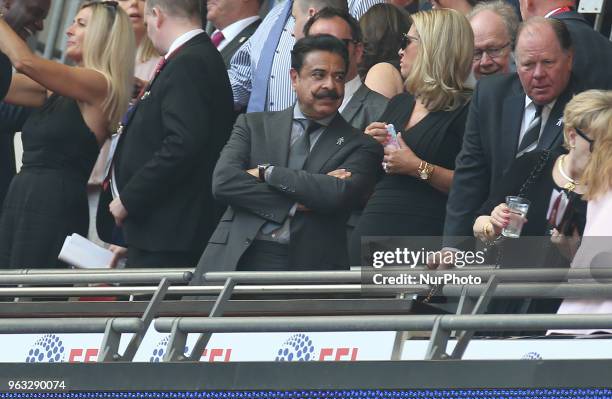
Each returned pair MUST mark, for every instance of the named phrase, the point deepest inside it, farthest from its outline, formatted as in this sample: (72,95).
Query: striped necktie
(532,135)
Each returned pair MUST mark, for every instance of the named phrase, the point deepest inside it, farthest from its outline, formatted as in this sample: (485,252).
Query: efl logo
(83,355)
(299,347)
(48,348)
(212,355)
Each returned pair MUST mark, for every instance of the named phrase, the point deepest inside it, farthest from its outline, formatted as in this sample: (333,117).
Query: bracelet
(487,229)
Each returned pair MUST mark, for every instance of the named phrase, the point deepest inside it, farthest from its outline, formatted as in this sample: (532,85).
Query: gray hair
(505,11)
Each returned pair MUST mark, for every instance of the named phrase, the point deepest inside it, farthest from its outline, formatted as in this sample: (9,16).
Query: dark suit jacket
(6,73)
(230,49)
(167,152)
(365,107)
(592,53)
(490,144)
(318,237)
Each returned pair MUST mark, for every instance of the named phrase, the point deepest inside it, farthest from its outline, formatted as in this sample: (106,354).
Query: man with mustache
(291,178)
(361,106)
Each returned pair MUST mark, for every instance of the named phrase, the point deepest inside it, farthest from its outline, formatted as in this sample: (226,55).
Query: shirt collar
(352,86)
(232,30)
(548,107)
(182,39)
(298,115)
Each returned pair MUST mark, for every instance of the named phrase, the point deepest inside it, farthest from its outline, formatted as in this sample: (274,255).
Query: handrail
(183,275)
(382,323)
(509,290)
(32,277)
(356,276)
(69,325)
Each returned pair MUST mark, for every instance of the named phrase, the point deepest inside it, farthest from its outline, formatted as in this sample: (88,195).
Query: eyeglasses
(406,39)
(491,52)
(584,136)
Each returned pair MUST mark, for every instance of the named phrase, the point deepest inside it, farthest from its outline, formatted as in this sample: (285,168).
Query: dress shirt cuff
(268,172)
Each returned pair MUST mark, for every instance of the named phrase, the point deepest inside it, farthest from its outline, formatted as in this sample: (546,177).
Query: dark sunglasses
(406,39)
(584,136)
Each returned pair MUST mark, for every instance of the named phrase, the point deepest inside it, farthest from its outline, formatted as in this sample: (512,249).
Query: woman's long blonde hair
(591,112)
(109,48)
(443,61)
(146,50)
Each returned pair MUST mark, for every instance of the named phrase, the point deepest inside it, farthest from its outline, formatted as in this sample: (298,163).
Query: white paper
(79,252)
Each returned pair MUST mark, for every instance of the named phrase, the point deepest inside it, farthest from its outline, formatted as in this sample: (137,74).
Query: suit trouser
(265,256)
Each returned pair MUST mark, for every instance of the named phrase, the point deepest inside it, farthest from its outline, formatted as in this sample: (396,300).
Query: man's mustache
(331,94)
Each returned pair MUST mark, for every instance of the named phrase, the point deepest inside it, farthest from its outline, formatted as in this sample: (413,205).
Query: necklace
(571,183)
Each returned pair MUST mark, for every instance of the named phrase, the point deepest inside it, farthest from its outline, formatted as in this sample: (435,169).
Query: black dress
(534,248)
(47,200)
(405,205)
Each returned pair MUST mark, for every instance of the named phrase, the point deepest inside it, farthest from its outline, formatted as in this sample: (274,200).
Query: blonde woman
(146,55)
(595,110)
(145,61)
(47,200)
(430,121)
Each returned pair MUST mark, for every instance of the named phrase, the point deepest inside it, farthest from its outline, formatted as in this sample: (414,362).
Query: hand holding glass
(518,208)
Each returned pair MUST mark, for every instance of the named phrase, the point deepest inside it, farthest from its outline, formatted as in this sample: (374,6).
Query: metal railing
(473,301)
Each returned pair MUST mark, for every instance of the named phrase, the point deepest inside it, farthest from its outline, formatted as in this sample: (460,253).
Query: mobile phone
(393,142)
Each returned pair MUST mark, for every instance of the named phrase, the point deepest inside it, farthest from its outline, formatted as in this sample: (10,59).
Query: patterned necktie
(217,38)
(298,154)
(259,89)
(533,132)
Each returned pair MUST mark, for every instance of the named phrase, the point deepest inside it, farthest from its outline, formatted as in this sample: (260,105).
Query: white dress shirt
(350,88)
(231,31)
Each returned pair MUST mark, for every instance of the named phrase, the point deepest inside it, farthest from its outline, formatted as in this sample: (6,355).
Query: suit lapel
(554,124)
(514,107)
(331,140)
(278,135)
(355,104)
(147,92)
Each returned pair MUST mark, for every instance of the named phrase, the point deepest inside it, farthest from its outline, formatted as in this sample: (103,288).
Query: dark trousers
(161,259)
(265,256)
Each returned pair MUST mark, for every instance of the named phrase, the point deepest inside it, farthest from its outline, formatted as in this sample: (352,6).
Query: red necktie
(217,38)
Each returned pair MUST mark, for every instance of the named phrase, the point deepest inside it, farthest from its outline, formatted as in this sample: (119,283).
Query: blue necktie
(259,90)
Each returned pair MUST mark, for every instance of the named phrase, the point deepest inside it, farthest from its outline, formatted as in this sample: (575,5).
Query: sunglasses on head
(109,4)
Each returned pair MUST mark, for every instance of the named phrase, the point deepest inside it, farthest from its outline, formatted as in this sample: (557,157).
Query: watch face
(423,175)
